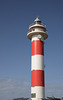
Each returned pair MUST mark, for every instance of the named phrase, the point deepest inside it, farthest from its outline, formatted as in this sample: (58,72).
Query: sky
(15,47)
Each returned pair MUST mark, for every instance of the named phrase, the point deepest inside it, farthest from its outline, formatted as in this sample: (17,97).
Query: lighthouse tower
(37,34)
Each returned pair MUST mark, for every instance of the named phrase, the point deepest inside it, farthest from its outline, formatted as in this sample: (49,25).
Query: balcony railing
(38,24)
(39,31)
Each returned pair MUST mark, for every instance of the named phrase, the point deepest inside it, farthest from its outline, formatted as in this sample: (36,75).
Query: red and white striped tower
(37,34)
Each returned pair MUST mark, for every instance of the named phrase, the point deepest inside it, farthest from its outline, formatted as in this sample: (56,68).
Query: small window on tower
(33,29)
(33,95)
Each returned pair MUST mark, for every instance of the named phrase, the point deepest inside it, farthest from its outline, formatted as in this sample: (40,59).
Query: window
(33,95)
(33,29)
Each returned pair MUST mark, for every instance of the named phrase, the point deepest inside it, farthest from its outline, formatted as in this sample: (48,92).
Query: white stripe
(36,37)
(39,90)
(37,62)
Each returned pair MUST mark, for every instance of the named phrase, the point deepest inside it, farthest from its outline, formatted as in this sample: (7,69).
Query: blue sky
(15,48)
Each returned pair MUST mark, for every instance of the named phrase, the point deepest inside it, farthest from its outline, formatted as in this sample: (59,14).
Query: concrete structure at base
(37,34)
(48,98)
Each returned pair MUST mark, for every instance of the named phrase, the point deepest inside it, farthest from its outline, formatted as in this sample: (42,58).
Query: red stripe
(37,78)
(37,47)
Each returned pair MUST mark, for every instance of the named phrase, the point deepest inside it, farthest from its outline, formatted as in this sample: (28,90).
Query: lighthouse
(37,34)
